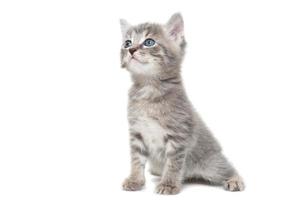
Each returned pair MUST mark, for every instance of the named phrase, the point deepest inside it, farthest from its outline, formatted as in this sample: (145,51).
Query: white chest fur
(152,133)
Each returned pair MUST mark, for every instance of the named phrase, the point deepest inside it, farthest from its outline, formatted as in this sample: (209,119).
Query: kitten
(164,127)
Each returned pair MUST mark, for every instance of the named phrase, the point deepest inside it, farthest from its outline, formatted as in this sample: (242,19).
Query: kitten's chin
(146,69)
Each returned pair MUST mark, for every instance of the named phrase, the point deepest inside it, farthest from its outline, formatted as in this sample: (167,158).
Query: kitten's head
(153,50)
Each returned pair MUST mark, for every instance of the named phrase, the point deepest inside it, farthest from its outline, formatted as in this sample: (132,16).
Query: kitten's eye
(127,44)
(149,42)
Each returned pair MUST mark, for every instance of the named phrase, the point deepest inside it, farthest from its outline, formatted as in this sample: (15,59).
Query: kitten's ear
(174,28)
(124,26)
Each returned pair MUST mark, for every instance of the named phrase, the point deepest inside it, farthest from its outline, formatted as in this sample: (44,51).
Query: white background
(63,95)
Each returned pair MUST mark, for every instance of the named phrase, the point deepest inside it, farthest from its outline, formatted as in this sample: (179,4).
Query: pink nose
(132,50)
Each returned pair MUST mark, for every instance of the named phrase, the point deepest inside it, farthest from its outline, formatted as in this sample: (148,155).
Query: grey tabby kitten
(164,127)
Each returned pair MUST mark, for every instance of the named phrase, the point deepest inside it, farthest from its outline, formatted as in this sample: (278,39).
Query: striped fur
(164,127)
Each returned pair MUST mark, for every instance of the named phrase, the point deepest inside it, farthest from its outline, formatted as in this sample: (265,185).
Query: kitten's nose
(132,50)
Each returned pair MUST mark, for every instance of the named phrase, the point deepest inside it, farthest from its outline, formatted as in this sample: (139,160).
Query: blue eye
(149,42)
(127,43)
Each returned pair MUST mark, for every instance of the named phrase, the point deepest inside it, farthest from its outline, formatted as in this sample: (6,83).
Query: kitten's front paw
(131,184)
(165,188)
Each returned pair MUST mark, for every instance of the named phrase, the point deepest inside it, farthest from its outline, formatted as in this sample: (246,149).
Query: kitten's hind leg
(219,171)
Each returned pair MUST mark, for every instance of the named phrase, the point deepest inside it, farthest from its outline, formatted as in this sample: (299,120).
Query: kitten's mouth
(134,58)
